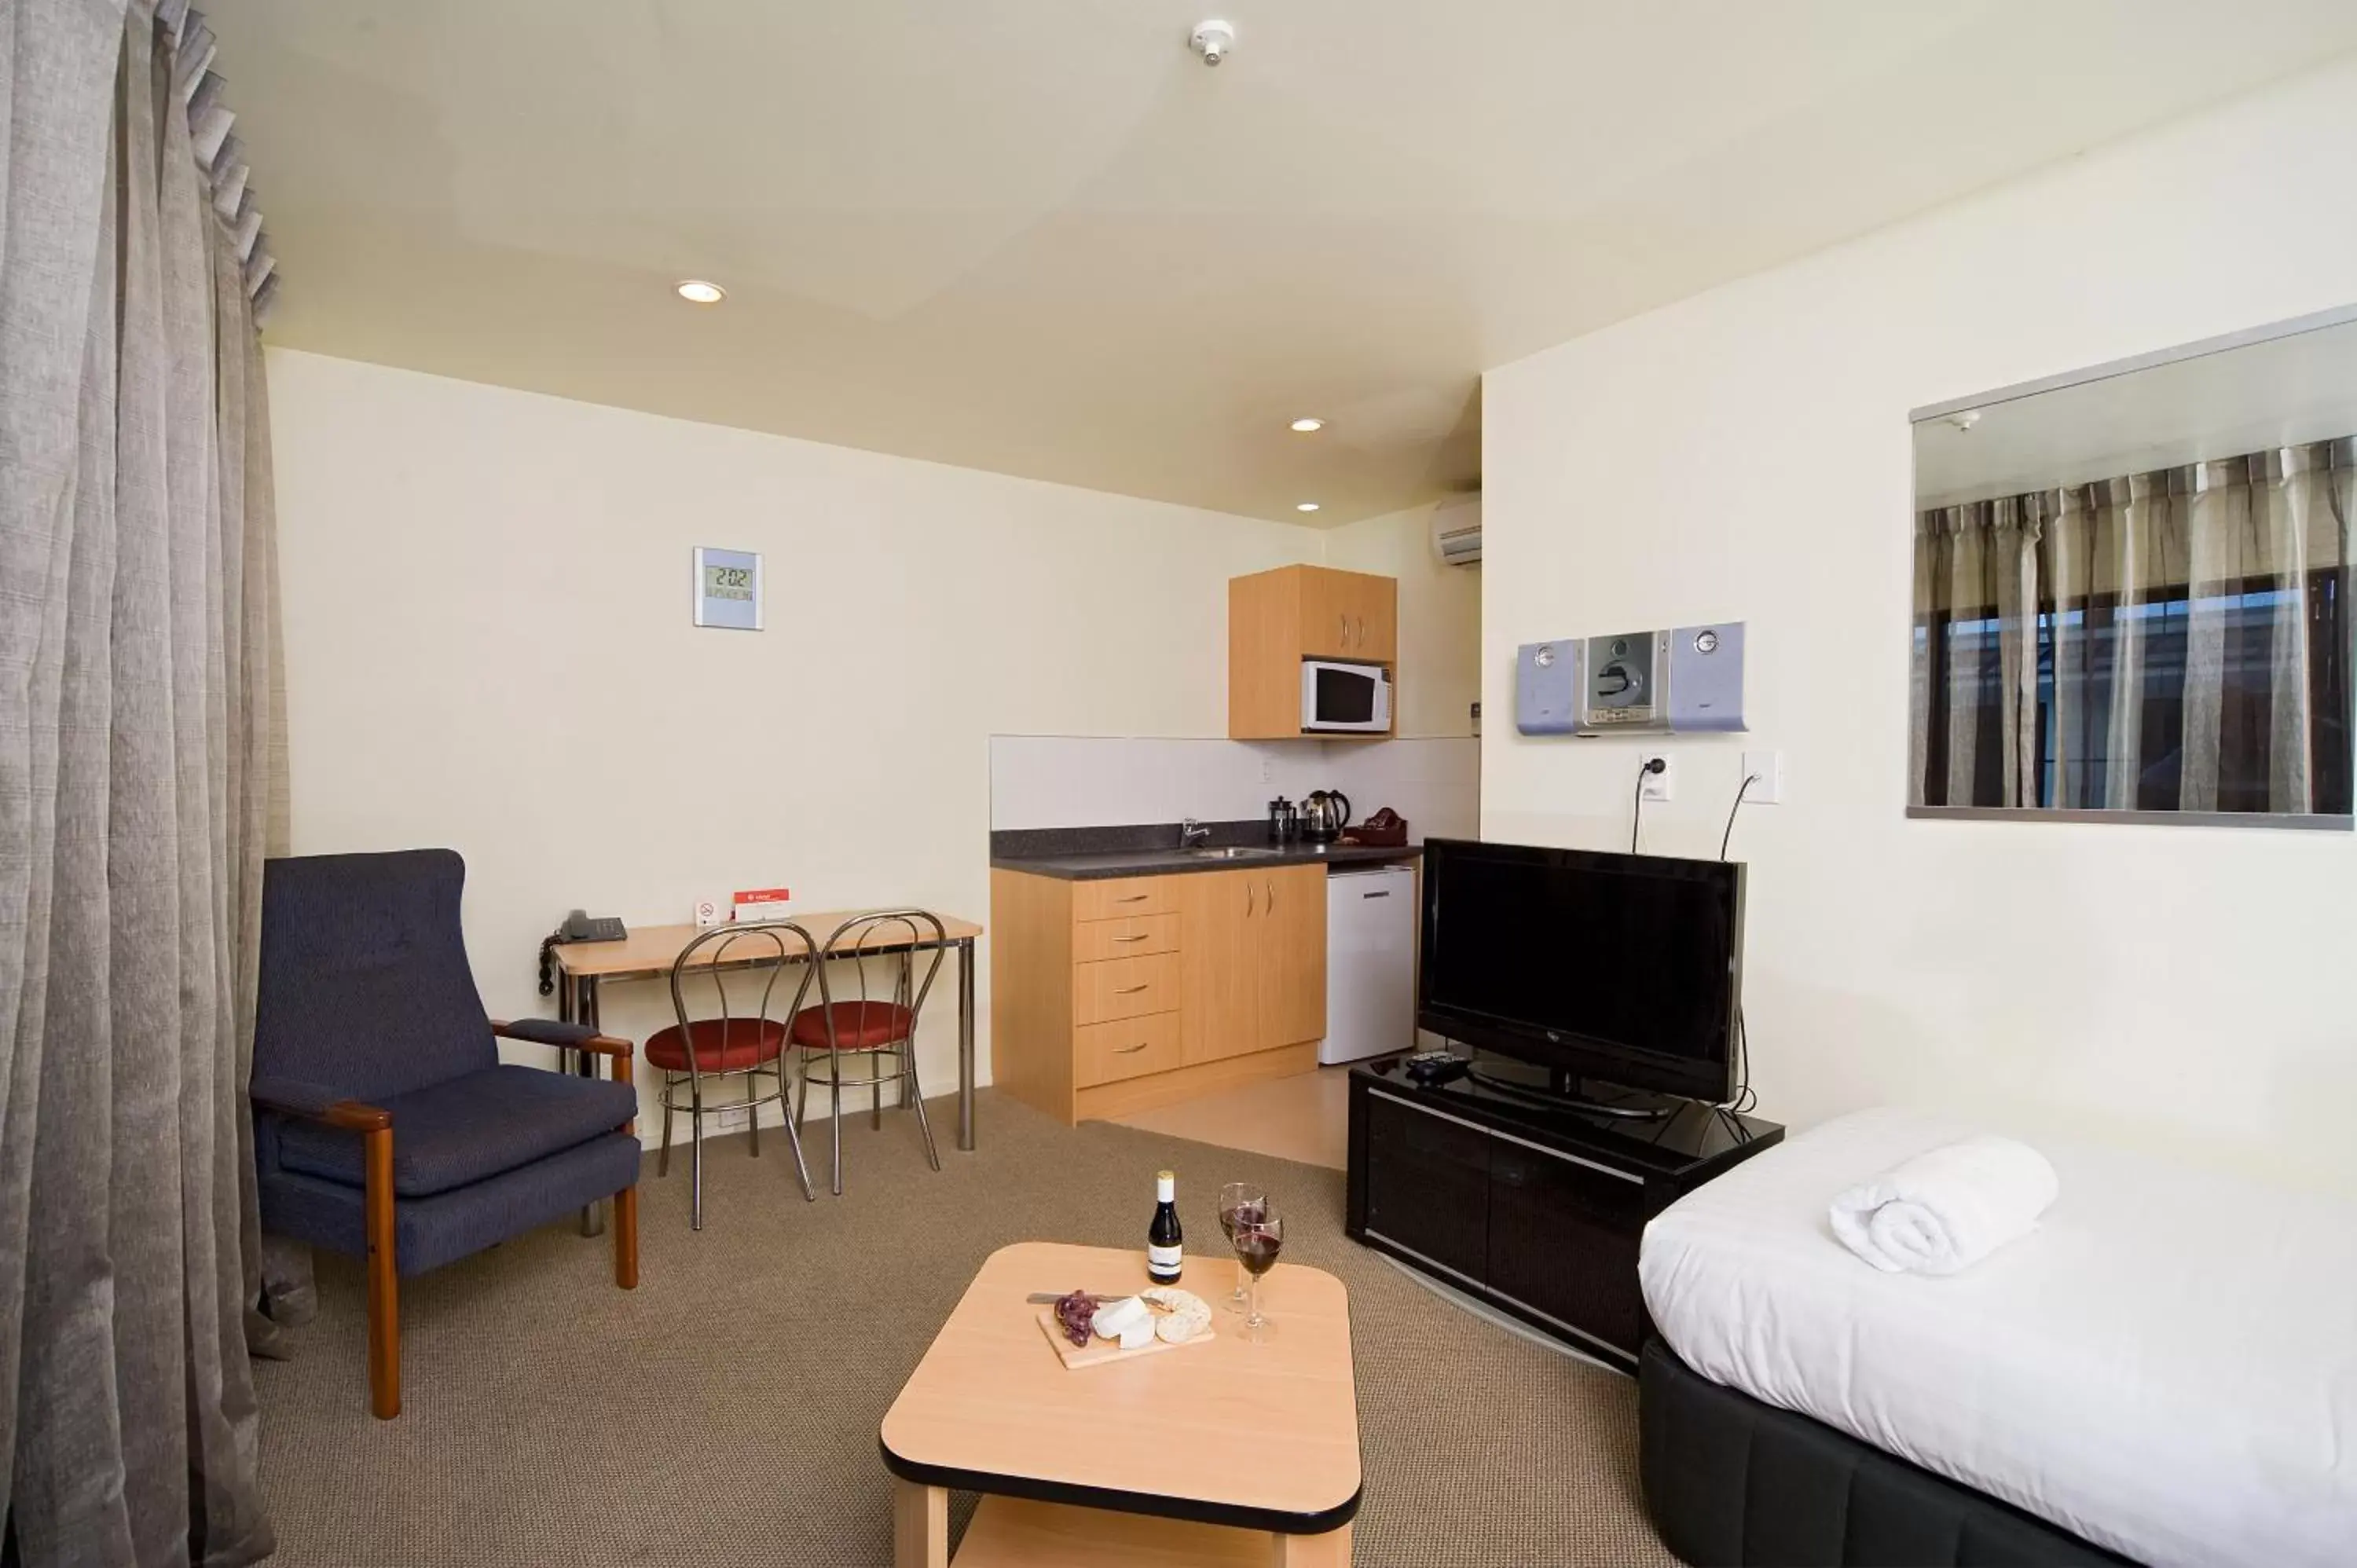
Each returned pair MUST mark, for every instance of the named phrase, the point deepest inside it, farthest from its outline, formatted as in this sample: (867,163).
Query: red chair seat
(721,1045)
(858,1026)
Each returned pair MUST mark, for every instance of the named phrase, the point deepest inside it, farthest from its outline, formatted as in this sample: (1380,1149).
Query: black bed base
(1731,1481)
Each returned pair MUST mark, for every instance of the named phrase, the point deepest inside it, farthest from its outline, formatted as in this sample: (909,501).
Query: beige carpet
(725,1411)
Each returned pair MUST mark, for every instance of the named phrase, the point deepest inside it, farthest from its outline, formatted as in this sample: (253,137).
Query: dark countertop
(1085,854)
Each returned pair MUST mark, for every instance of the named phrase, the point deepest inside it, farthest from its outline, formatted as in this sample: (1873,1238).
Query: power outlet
(735,1119)
(1766,769)
(1660,786)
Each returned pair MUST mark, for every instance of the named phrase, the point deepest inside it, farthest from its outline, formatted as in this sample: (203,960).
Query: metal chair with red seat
(866,1027)
(737,1044)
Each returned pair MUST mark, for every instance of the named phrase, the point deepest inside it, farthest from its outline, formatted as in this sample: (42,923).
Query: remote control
(1435,1066)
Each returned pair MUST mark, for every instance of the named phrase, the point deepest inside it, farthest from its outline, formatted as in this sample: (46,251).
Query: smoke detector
(1212,40)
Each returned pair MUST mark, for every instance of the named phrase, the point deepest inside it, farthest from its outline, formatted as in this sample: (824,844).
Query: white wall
(1081,781)
(1746,454)
(1439,611)
(488,646)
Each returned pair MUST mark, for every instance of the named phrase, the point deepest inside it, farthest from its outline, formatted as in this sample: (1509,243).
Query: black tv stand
(1527,1202)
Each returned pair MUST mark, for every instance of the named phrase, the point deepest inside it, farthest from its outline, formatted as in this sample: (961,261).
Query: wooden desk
(649,952)
(1252,1449)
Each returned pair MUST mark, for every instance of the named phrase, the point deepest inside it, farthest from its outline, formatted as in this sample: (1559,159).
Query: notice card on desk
(762,903)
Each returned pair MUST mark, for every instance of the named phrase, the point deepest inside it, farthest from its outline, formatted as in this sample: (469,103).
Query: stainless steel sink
(1232,853)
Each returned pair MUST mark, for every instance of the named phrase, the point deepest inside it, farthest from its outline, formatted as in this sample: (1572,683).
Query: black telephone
(580,926)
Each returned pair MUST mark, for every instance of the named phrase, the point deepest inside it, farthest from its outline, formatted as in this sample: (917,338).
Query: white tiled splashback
(1086,781)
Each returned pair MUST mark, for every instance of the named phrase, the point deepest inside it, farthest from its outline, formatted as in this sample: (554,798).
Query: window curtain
(2175,640)
(142,778)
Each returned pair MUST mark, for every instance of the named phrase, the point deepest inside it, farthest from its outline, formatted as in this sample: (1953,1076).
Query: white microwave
(1338,697)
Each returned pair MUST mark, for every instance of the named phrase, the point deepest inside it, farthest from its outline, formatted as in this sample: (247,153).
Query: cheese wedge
(1118,1320)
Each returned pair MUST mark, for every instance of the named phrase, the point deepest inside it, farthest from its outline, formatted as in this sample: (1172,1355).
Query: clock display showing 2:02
(727,588)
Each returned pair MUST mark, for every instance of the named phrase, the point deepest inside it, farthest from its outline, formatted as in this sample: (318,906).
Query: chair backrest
(736,967)
(890,936)
(365,988)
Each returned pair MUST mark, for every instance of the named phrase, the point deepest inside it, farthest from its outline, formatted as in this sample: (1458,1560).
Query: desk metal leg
(584,994)
(965,1044)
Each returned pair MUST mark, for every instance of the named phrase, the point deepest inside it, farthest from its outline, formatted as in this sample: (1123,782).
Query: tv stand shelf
(1533,1208)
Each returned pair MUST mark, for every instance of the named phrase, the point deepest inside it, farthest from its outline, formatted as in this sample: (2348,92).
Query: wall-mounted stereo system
(1687,681)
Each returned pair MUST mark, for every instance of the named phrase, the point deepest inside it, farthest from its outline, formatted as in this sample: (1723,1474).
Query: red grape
(1076,1314)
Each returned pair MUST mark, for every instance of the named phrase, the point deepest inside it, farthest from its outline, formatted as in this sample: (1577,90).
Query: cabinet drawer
(1133,938)
(1121,895)
(1125,988)
(1127,1048)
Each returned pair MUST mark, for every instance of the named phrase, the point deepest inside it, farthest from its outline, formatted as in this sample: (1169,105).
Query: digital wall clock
(728,588)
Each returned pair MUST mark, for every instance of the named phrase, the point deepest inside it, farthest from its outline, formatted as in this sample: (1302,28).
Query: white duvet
(2167,1366)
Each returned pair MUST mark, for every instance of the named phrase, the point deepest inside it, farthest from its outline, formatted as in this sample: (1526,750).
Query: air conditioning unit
(1456,530)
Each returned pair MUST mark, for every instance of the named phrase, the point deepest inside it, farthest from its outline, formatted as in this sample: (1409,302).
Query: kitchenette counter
(1085,854)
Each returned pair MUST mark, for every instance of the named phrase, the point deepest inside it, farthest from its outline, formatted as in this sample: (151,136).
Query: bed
(2166,1370)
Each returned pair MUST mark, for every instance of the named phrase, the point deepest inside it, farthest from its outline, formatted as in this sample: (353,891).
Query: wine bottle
(1162,1252)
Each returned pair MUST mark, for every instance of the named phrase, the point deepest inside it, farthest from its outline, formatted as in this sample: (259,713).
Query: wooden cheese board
(1097,1352)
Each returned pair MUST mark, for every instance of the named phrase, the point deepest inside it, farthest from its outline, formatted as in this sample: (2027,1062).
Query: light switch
(1766,769)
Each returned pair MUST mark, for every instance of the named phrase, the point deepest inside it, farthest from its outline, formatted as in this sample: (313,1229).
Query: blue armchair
(385,1126)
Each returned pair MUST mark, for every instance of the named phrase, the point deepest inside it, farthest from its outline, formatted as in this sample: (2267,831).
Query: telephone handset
(580,926)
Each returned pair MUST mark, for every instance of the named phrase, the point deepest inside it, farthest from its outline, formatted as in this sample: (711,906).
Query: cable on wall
(1741,790)
(1646,770)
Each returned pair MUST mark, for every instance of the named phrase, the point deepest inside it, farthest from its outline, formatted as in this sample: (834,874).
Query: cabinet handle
(1272,897)
(1362,631)
(1346,629)
(1132,1050)
(1141,936)
(1133,897)
(1128,990)
(1248,901)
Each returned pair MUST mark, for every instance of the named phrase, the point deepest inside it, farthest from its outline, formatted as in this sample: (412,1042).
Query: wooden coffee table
(1223,1453)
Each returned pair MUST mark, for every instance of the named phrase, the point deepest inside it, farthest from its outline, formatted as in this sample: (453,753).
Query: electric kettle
(1324,814)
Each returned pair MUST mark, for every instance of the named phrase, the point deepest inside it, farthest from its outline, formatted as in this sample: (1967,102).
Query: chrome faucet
(1191,833)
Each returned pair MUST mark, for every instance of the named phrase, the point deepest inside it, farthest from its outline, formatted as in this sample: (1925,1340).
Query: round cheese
(1184,1313)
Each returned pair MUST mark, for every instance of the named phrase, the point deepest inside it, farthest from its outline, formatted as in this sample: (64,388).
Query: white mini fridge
(1370,964)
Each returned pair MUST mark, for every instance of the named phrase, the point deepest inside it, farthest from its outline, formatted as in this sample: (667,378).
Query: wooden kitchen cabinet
(1276,620)
(1252,961)
(1349,615)
(1290,997)
(1116,996)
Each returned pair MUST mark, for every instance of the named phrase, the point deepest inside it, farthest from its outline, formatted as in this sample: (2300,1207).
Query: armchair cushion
(363,984)
(468,1128)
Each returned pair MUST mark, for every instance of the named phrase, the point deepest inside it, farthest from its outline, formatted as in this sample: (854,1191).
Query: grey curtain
(2056,629)
(141,776)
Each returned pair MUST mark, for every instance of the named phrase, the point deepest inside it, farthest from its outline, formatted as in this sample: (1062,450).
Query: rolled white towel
(1947,1208)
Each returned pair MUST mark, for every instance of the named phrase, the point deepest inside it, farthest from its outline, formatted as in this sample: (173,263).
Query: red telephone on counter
(1385,830)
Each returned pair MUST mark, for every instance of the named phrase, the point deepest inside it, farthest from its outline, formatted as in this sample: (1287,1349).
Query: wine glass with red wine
(1257,1242)
(1239,1198)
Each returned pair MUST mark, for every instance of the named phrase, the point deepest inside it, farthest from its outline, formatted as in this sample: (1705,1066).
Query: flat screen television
(1625,968)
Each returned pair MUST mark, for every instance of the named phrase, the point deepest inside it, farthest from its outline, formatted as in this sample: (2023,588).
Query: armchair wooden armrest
(292,1097)
(313,1103)
(568,1037)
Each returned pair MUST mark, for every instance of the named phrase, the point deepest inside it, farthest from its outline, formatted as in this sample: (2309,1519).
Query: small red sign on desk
(762,903)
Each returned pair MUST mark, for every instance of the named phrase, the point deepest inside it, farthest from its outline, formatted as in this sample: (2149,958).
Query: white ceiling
(1038,236)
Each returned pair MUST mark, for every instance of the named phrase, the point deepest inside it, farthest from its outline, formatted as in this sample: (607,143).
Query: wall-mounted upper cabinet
(1276,620)
(1348,615)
